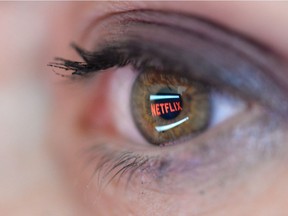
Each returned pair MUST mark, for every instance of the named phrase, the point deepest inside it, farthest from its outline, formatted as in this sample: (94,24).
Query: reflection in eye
(210,75)
(167,108)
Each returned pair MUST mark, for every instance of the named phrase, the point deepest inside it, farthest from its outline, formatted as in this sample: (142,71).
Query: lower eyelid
(207,172)
(198,165)
(225,156)
(220,155)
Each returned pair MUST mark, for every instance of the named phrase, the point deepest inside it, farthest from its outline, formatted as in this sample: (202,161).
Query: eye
(167,108)
(179,80)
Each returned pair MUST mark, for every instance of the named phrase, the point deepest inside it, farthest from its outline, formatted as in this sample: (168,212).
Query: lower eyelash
(114,166)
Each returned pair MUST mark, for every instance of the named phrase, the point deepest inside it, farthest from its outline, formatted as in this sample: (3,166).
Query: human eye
(208,69)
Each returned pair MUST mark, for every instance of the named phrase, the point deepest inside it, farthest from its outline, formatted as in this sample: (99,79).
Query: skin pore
(236,168)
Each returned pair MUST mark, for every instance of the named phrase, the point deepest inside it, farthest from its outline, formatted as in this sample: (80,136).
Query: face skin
(61,138)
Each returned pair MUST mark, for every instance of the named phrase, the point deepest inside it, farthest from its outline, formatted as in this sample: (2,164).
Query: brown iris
(168,107)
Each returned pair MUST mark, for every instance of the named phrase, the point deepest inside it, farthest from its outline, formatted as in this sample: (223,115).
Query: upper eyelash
(131,53)
(113,55)
(109,57)
(95,61)
(146,16)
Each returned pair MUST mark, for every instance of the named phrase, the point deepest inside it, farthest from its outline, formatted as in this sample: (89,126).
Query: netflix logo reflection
(168,107)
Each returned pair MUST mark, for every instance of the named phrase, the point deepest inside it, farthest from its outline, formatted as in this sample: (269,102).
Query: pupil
(166,104)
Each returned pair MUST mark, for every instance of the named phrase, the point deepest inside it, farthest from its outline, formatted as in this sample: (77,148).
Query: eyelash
(104,59)
(119,164)
(119,55)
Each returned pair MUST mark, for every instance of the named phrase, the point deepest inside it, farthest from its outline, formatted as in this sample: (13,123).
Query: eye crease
(187,80)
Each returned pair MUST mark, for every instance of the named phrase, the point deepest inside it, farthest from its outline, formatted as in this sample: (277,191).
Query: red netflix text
(164,108)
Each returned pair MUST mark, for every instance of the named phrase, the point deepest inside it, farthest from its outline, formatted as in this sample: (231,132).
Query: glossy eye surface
(167,107)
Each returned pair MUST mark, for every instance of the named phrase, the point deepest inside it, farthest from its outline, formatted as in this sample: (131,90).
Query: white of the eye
(120,89)
(224,106)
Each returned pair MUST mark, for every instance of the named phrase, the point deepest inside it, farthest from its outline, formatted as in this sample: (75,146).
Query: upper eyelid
(175,19)
(260,56)
(268,57)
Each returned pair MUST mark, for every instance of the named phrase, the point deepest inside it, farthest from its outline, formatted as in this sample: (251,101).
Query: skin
(45,169)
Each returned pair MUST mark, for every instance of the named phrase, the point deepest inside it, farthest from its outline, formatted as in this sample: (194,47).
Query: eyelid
(208,50)
(196,25)
(228,58)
